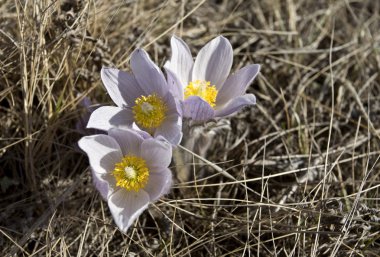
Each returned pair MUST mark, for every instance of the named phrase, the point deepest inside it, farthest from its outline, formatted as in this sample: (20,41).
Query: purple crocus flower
(206,89)
(129,170)
(142,98)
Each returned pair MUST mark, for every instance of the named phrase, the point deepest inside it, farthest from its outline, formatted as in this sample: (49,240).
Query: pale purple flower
(130,170)
(142,98)
(207,90)
(81,124)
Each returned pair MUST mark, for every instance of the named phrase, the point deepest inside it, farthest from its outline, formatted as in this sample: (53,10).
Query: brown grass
(303,164)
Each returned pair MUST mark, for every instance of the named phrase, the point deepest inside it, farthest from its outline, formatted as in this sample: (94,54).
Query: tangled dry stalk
(302,166)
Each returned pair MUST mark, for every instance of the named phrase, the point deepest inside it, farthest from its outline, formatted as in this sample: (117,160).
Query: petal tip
(258,67)
(253,99)
(223,39)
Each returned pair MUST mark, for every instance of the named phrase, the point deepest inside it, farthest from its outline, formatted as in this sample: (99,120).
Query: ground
(303,162)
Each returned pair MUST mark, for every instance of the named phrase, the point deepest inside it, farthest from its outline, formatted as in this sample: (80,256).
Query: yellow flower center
(149,111)
(131,173)
(203,89)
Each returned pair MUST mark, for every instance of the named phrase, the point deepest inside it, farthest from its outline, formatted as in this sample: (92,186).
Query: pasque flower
(81,124)
(142,98)
(130,170)
(206,90)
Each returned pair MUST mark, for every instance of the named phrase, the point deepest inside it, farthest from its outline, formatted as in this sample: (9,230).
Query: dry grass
(303,163)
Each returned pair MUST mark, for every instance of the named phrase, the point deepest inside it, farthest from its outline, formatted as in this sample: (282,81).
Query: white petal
(237,84)
(156,153)
(214,62)
(104,183)
(148,75)
(102,151)
(159,183)
(236,104)
(107,117)
(126,206)
(130,141)
(181,61)
(174,84)
(121,86)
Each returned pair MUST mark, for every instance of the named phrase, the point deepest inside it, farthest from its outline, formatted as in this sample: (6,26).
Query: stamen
(131,173)
(203,89)
(149,111)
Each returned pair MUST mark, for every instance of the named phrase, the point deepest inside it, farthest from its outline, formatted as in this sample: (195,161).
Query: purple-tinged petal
(142,133)
(214,62)
(81,124)
(156,153)
(173,105)
(174,84)
(148,75)
(171,129)
(130,141)
(181,61)
(159,183)
(86,103)
(236,104)
(107,117)
(237,83)
(102,151)
(126,206)
(121,86)
(197,109)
